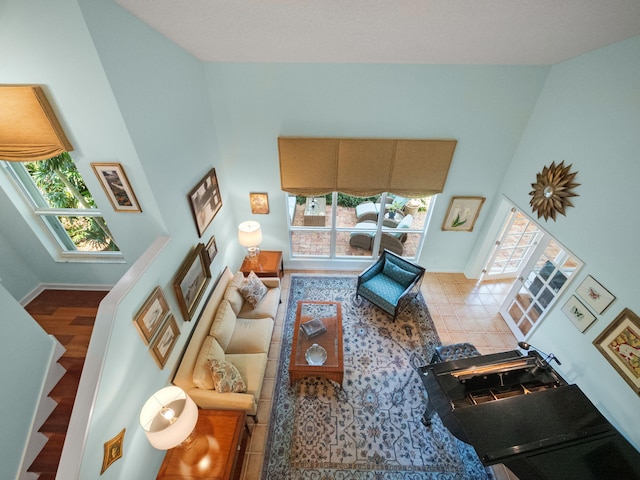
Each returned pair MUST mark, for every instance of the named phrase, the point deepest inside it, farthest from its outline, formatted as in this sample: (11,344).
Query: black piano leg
(426,418)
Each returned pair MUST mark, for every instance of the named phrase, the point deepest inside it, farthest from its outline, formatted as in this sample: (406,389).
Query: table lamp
(168,418)
(250,236)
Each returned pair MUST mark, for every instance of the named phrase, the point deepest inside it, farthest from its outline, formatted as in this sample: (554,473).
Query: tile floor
(462,310)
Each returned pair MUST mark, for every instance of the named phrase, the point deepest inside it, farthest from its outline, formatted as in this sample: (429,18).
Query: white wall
(25,354)
(588,115)
(485,108)
(120,374)
(47,43)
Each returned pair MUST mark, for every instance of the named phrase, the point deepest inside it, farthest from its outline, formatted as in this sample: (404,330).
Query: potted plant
(393,208)
(412,206)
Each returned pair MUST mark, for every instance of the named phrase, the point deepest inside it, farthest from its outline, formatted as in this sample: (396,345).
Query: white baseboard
(61,286)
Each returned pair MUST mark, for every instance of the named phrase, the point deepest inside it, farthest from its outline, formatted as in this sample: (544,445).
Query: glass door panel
(542,280)
(519,237)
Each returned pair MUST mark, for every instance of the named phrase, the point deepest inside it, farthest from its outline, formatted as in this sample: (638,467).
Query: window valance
(364,167)
(29,129)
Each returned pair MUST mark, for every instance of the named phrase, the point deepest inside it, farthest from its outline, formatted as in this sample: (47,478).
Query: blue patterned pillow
(398,274)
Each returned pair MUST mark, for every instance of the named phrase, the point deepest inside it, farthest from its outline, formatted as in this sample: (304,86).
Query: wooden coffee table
(331,315)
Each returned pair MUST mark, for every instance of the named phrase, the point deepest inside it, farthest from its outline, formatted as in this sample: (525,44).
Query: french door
(544,276)
(514,247)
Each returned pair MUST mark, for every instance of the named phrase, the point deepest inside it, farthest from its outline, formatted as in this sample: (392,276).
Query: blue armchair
(390,283)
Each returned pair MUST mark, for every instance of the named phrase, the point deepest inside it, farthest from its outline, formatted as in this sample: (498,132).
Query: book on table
(313,327)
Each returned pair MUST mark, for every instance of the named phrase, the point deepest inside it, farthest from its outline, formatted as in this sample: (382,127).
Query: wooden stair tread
(48,459)
(68,315)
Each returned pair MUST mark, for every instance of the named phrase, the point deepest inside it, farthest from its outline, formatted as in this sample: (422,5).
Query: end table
(268,264)
(220,438)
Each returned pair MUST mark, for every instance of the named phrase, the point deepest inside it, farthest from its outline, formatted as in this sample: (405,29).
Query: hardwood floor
(69,316)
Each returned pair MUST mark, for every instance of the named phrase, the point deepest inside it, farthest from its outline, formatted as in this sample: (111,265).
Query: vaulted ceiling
(493,32)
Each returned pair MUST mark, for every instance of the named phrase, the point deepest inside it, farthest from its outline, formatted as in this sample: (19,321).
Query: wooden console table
(216,451)
(268,264)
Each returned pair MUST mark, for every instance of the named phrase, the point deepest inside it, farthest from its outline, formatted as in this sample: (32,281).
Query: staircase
(68,315)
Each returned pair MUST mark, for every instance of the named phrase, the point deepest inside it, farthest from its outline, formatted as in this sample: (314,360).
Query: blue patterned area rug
(370,429)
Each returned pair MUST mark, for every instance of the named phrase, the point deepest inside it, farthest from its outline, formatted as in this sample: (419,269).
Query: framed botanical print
(116,186)
(151,314)
(596,296)
(205,201)
(259,203)
(165,341)
(462,213)
(620,345)
(192,280)
(579,315)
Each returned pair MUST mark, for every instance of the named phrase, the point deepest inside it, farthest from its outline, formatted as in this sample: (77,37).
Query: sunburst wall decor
(552,191)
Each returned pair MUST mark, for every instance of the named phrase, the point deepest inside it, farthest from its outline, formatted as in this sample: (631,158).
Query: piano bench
(457,351)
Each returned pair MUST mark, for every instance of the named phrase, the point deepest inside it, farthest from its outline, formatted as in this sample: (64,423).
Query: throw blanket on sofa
(371,428)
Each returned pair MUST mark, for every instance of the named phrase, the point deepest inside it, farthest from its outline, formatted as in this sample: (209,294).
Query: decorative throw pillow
(226,377)
(252,289)
(400,275)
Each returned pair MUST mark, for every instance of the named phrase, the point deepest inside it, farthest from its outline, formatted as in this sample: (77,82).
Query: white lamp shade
(249,234)
(162,431)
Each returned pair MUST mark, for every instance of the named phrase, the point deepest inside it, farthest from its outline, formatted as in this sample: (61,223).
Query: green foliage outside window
(62,186)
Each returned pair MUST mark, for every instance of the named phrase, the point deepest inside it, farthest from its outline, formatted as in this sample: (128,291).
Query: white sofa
(230,329)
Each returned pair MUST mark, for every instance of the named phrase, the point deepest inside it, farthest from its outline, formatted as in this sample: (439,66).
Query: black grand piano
(518,411)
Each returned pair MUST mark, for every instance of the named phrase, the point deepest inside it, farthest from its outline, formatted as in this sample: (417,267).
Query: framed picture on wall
(596,296)
(192,280)
(259,203)
(116,186)
(212,249)
(113,450)
(462,213)
(579,315)
(165,341)
(150,316)
(620,344)
(205,201)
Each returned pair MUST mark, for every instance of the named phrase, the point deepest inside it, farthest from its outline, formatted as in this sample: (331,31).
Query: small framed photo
(116,186)
(462,213)
(205,201)
(579,315)
(165,341)
(620,343)
(596,296)
(150,316)
(191,281)
(212,249)
(112,450)
(259,203)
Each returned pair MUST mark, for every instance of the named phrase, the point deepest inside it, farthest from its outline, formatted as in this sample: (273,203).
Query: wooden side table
(268,264)
(216,451)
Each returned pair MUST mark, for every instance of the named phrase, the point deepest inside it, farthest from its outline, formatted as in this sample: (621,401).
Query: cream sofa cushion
(210,350)
(267,307)
(252,367)
(223,324)
(232,293)
(251,336)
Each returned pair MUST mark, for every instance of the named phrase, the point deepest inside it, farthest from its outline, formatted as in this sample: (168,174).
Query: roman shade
(363,167)
(29,129)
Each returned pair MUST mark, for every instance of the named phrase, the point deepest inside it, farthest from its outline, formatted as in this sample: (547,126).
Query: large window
(340,226)
(57,196)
